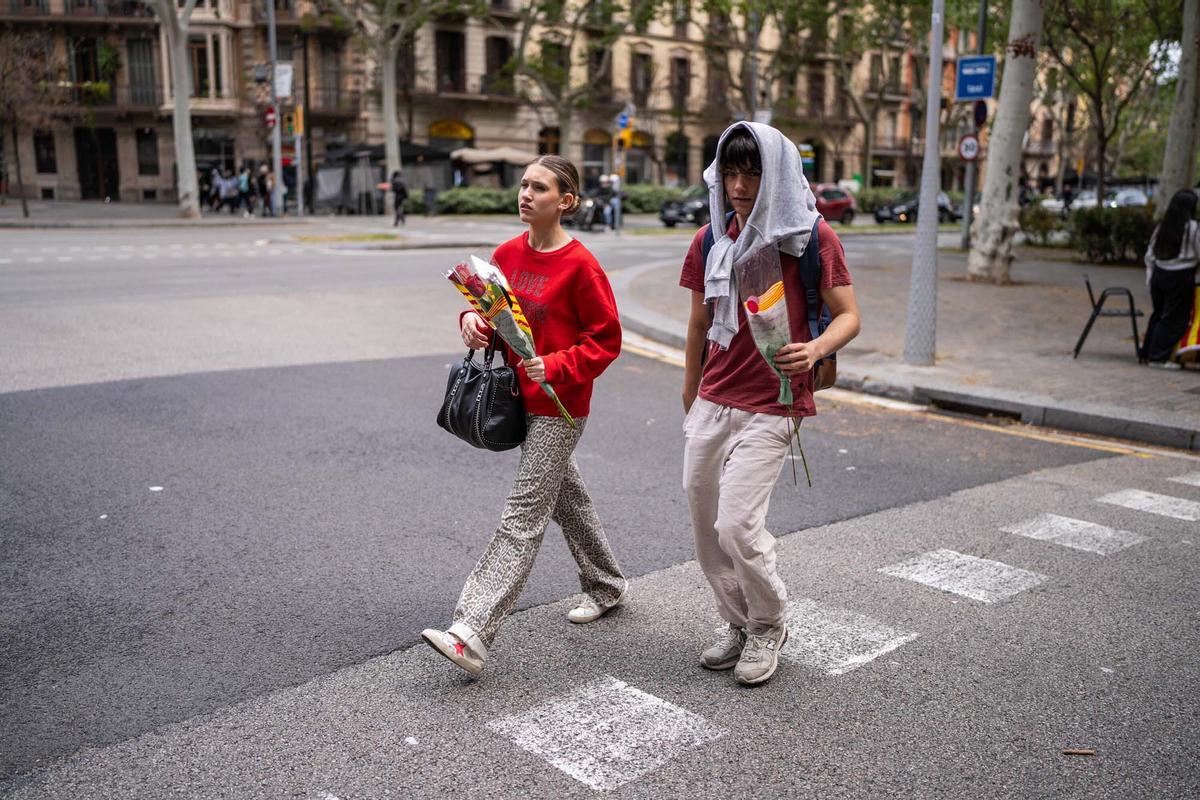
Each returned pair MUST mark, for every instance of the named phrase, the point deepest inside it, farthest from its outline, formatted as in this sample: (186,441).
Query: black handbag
(483,404)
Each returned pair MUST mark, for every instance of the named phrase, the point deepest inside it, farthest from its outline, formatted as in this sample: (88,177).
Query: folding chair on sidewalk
(1098,310)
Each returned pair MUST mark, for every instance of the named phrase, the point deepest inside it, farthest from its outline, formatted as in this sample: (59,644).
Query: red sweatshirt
(570,306)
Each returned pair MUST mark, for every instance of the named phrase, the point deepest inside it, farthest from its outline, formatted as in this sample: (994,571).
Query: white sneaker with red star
(454,649)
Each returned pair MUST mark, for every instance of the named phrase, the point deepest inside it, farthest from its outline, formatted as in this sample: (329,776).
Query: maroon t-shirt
(739,376)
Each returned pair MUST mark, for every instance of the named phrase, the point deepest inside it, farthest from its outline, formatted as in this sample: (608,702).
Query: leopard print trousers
(548,487)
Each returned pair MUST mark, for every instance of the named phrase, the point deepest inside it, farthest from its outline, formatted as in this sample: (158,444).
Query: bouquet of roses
(760,291)
(487,290)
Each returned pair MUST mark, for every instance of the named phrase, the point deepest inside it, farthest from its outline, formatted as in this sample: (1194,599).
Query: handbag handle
(489,352)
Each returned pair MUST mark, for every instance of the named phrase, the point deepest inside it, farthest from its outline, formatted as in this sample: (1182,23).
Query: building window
(816,93)
(548,142)
(639,78)
(1047,129)
(681,83)
(556,63)
(218,81)
(141,71)
(331,76)
(43,152)
(717,84)
(600,70)
(681,15)
(451,61)
(498,77)
(198,58)
(147,151)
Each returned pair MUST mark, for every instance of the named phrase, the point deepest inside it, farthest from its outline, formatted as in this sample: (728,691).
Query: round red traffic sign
(968,147)
(270,116)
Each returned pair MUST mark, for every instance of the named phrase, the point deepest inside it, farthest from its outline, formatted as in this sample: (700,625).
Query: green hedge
(1038,224)
(478,200)
(870,199)
(647,198)
(1112,234)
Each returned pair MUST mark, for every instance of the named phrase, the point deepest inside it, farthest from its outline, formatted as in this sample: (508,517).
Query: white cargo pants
(731,461)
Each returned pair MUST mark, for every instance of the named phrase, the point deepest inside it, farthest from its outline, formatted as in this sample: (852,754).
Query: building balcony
(78,10)
(893,145)
(1041,147)
(485,88)
(121,97)
(331,101)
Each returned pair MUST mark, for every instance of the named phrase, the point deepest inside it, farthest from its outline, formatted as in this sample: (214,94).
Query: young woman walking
(1171,272)
(570,306)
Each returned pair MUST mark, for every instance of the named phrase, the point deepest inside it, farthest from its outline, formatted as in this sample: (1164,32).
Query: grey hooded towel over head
(783,216)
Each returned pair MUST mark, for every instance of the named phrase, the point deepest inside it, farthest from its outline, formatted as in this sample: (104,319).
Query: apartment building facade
(119,145)
(680,90)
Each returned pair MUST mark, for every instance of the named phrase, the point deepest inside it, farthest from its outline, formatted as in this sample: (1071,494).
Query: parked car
(905,210)
(691,208)
(835,205)
(1126,197)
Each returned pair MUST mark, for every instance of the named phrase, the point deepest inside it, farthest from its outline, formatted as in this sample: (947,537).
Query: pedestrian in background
(567,298)
(243,187)
(399,195)
(1171,261)
(737,433)
(264,191)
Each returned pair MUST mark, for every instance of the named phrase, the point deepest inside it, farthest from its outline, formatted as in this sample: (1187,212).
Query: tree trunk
(20,177)
(391,124)
(185,154)
(1179,158)
(991,244)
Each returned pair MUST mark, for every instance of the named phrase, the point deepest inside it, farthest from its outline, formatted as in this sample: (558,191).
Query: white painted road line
(1192,479)
(1161,504)
(836,640)
(1075,533)
(976,578)
(606,733)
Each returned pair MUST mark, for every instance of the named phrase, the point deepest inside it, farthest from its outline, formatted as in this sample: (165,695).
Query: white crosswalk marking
(1191,479)
(976,578)
(1161,504)
(1075,533)
(606,733)
(836,640)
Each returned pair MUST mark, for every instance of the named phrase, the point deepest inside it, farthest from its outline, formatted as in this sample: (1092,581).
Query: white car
(1127,197)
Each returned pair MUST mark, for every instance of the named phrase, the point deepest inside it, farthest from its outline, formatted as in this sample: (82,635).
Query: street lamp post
(969,183)
(276,142)
(920,333)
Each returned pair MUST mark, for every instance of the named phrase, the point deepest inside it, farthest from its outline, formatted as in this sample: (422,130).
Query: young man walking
(737,433)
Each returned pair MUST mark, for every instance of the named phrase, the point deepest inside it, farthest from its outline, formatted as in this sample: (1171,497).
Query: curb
(203,222)
(1114,422)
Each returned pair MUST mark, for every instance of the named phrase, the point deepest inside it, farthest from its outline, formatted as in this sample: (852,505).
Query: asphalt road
(226,512)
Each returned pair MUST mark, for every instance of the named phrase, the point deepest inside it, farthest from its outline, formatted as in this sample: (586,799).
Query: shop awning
(507,155)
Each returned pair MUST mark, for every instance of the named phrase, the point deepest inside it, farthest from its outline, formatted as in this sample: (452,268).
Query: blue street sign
(976,78)
(622,120)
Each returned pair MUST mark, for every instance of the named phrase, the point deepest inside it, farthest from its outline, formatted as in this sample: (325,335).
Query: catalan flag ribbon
(1189,345)
(487,291)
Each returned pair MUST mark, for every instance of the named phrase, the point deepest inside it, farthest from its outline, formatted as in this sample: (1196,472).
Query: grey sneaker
(590,611)
(726,650)
(454,649)
(760,658)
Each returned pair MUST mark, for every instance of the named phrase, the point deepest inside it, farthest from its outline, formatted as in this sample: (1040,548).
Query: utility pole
(276,141)
(969,185)
(921,332)
(308,167)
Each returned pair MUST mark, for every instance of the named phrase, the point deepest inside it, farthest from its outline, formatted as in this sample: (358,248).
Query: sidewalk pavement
(1001,350)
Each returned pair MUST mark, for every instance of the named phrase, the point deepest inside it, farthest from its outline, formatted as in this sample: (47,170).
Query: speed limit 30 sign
(968,147)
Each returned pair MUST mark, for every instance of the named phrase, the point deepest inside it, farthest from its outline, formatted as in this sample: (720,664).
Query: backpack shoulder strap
(810,276)
(707,244)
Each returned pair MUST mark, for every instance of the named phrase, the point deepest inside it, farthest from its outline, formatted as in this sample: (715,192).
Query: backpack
(825,370)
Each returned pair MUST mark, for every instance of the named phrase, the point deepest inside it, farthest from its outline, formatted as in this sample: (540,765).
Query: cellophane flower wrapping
(487,291)
(760,291)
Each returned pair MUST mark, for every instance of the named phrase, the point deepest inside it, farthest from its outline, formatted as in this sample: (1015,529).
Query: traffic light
(625,137)
(289,123)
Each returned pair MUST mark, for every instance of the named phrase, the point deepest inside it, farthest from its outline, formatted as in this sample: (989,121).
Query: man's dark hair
(739,152)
